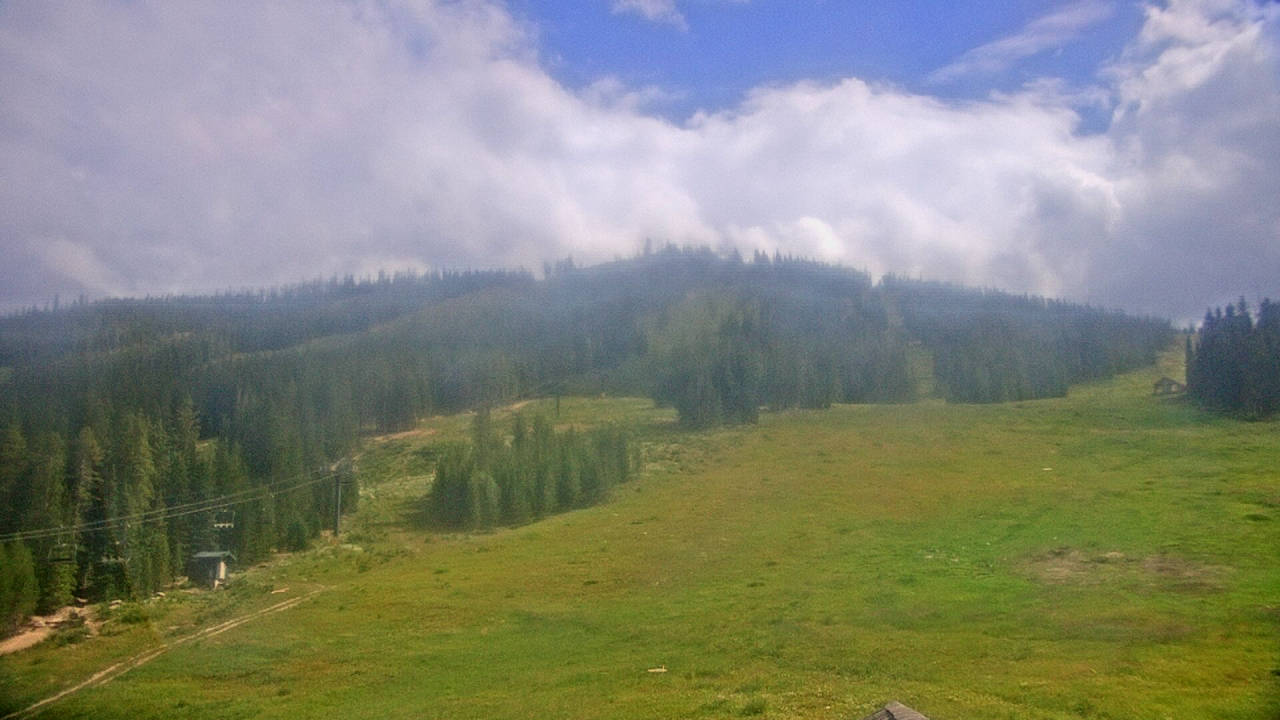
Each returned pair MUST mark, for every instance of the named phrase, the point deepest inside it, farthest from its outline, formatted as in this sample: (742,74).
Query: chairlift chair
(114,555)
(224,520)
(62,552)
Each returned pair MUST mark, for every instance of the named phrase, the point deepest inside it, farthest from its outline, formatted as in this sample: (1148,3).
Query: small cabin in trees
(895,711)
(1167,386)
(211,566)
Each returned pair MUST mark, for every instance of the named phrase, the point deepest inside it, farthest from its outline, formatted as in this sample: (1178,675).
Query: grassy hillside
(1107,555)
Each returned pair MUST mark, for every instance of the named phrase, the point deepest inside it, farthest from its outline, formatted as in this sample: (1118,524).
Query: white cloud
(661,11)
(174,149)
(1049,32)
(1197,130)
(81,263)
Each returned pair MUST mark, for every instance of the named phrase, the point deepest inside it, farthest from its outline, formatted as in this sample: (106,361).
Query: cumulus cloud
(1197,135)
(894,182)
(160,147)
(1045,33)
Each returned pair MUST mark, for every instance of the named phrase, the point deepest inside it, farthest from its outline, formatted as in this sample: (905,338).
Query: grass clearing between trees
(1104,555)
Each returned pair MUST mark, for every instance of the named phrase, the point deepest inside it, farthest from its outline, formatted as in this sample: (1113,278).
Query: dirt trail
(405,434)
(107,674)
(25,639)
(40,627)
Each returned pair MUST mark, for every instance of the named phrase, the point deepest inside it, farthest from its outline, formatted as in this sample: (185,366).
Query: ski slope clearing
(1108,554)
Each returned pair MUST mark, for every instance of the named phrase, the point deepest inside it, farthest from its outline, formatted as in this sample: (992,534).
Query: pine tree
(543,459)
(14,489)
(451,492)
(136,481)
(483,501)
(50,509)
(18,589)
(88,505)
(567,473)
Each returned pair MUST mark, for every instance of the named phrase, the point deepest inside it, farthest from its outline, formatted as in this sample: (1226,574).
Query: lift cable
(238,498)
(144,516)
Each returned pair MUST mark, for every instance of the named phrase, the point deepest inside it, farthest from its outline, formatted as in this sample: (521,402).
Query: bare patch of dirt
(1182,574)
(39,627)
(1065,565)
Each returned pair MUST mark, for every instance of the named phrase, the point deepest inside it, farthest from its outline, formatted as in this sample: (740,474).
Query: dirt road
(107,674)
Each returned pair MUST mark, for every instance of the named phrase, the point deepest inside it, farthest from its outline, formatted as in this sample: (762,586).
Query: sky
(1116,153)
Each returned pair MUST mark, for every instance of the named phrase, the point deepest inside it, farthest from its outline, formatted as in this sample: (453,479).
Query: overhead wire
(160,514)
(140,516)
(168,513)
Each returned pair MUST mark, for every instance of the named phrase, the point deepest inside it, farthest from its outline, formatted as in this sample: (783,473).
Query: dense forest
(995,347)
(1233,361)
(489,482)
(128,426)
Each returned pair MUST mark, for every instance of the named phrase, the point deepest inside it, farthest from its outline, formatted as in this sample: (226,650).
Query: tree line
(129,501)
(1233,361)
(719,357)
(989,346)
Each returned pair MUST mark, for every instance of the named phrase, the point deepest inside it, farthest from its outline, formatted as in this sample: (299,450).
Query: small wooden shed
(1167,386)
(212,566)
(895,711)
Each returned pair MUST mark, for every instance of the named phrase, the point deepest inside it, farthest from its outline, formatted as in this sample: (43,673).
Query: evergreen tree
(50,509)
(543,461)
(1234,364)
(14,486)
(146,552)
(18,590)
(451,490)
(88,506)
(568,472)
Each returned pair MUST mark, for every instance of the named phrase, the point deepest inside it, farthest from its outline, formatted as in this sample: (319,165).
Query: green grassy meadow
(1105,555)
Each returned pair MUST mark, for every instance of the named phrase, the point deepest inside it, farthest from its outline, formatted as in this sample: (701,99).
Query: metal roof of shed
(895,711)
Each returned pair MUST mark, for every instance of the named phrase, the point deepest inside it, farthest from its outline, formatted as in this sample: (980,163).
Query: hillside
(1107,554)
(125,425)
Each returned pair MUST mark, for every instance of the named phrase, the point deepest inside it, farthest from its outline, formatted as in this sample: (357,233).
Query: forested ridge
(131,408)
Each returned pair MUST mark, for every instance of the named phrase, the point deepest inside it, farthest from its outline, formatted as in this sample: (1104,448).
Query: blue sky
(717,51)
(1118,153)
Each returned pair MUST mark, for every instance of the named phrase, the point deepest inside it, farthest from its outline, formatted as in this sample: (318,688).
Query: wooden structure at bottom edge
(895,711)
